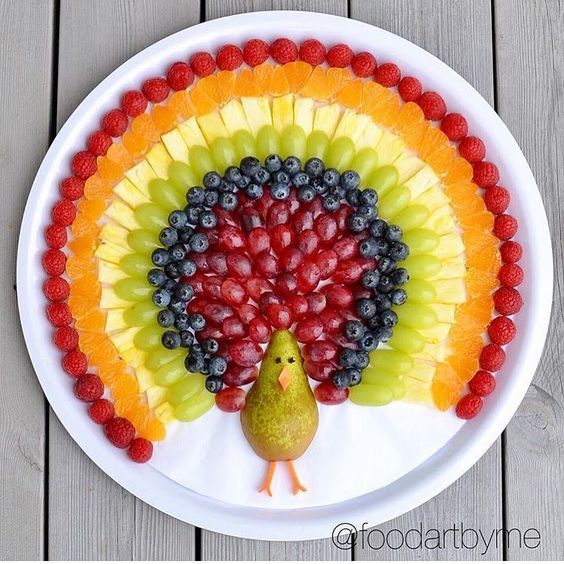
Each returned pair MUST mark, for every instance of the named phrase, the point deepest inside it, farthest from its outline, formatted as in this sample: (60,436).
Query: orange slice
(143,125)
(93,209)
(445,388)
(433,141)
(487,260)
(164,119)
(109,170)
(413,135)
(77,267)
(351,94)
(441,161)
(246,85)
(136,144)
(120,155)
(202,103)
(278,84)
(297,74)
(460,171)
(84,226)
(94,321)
(97,188)
(179,105)
(83,246)
(317,86)
(225,85)
(409,115)
(153,430)
(262,74)
(337,78)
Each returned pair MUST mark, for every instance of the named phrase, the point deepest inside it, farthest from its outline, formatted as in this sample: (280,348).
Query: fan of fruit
(272,227)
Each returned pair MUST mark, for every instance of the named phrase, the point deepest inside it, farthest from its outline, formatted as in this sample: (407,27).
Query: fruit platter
(270,283)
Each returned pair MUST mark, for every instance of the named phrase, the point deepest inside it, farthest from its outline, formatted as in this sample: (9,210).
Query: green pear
(280,416)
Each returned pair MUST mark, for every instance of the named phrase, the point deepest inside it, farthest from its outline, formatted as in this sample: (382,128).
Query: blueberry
(370,279)
(232,174)
(186,267)
(368,343)
(197,349)
(368,197)
(171,339)
(195,196)
(212,180)
(368,248)
(399,251)
(228,201)
(208,219)
(382,302)
(386,265)
(177,219)
(306,194)
(243,182)
(347,358)
(341,379)
(177,252)
(171,270)
(254,191)
(182,322)
(195,362)
(356,223)
(300,179)
(366,308)
(382,246)
(250,166)
(362,360)
(211,198)
(280,191)
(192,214)
(350,180)
(168,236)
(394,233)
(199,243)
(177,306)
(184,292)
(352,197)
(273,163)
(217,366)
(262,176)
(280,176)
(373,323)
(292,165)
(227,186)
(314,167)
(186,338)
(378,228)
(354,376)
(331,177)
(197,322)
(399,276)
(184,234)
(156,277)
(165,318)
(319,186)
(170,286)
(383,334)
(388,318)
(386,285)
(398,296)
(210,346)
(369,212)
(160,257)
(214,384)
(331,203)
(354,330)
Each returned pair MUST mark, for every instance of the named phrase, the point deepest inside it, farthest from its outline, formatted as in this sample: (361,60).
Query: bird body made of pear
(280,416)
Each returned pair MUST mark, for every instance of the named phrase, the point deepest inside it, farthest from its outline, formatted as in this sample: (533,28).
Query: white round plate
(424,481)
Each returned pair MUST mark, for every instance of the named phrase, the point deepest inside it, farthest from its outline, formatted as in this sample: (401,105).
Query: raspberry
(502,330)
(56,289)
(255,52)
(313,52)
(507,300)
(101,411)
(482,383)
(115,123)
(140,450)
(71,188)
(63,213)
(75,363)
(54,262)
(156,89)
(511,275)
(59,314)
(56,236)
(511,251)
(65,338)
(84,165)
(98,143)
(363,64)
(340,56)
(433,105)
(88,387)
(472,149)
(409,88)
(120,432)
(469,406)
(179,76)
(497,199)
(486,174)
(505,227)
(202,64)
(229,57)
(389,75)
(492,357)
(133,103)
(283,50)
(454,126)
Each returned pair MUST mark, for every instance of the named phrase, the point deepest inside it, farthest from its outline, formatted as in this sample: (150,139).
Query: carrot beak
(285,378)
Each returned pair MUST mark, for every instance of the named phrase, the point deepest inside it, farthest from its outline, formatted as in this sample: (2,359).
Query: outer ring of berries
(115,123)
(202,64)
(486,174)
(283,50)
(229,57)
(502,330)
(179,76)
(472,149)
(469,406)
(156,89)
(120,432)
(482,383)
(88,388)
(255,52)
(312,51)
(133,103)
(511,252)
(75,363)
(339,56)
(492,357)
(140,450)
(410,89)
(389,75)
(454,126)
(433,105)
(101,411)
(71,188)
(363,64)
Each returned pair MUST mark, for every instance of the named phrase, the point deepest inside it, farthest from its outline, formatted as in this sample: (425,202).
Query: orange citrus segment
(460,171)
(77,267)
(143,125)
(246,85)
(409,115)
(109,170)
(93,209)
(202,103)
(97,188)
(297,74)
(317,86)
(262,75)
(94,321)
(225,85)
(136,144)
(351,94)
(164,119)
(337,78)
(120,155)
(84,226)
(278,84)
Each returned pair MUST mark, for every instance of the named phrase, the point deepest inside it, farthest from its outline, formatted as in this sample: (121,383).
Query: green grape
(140,314)
(244,144)
(181,175)
(395,362)
(142,240)
(136,265)
(405,339)
(132,289)
(421,241)
(224,153)
(151,217)
(412,217)
(373,375)
(268,141)
(420,292)
(170,373)
(186,388)
(340,153)
(294,142)
(165,195)
(160,356)
(195,407)
(394,201)
(417,316)
(365,161)
(365,394)
(422,266)
(148,338)
(317,144)
(201,161)
(383,179)
(393,383)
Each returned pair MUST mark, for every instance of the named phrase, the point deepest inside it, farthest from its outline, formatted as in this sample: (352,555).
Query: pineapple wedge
(140,175)
(127,191)
(389,148)
(407,166)
(283,112)
(351,125)
(191,134)
(450,291)
(123,340)
(175,145)
(159,159)
(109,273)
(418,392)
(450,246)
(114,320)
(233,117)
(123,215)
(445,312)
(134,356)
(437,333)
(451,268)
(257,112)
(441,220)
(421,370)
(165,413)
(432,199)
(113,233)
(212,127)
(303,114)
(144,379)
(369,137)
(156,395)
(424,180)
(111,253)
(109,299)
(326,119)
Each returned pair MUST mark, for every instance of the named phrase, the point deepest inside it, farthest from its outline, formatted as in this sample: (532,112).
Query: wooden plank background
(55,503)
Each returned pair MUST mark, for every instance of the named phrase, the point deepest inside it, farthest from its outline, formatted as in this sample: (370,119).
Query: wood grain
(221,8)
(90,516)
(530,42)
(26,32)
(436,26)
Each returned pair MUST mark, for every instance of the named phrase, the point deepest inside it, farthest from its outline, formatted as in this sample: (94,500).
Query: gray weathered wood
(436,27)
(530,85)
(26,32)
(90,516)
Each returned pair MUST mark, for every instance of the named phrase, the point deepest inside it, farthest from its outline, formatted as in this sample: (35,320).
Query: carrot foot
(297,486)
(268,479)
